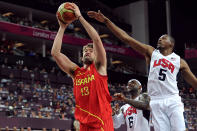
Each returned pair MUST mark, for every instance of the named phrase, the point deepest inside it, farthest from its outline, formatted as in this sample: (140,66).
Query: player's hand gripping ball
(64,14)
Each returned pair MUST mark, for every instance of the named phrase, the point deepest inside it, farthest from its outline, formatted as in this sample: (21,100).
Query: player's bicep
(121,118)
(141,48)
(100,53)
(118,120)
(187,74)
(65,64)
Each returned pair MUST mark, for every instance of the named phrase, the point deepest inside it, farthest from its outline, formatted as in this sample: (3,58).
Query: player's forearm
(192,80)
(122,35)
(58,42)
(143,105)
(187,74)
(90,30)
(118,32)
(194,83)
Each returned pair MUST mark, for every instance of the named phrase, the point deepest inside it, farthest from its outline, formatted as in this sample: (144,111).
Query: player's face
(132,86)
(164,42)
(88,55)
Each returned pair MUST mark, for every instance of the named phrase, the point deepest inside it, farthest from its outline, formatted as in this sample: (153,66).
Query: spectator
(33,115)
(23,114)
(40,114)
(6,128)
(62,116)
(25,69)
(64,108)
(76,125)
(48,115)
(14,128)
(22,129)
(28,128)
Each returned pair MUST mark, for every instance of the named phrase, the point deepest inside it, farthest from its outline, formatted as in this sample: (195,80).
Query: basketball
(65,15)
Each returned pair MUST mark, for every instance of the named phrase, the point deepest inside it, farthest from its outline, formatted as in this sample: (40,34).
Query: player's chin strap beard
(87,62)
(134,92)
(158,48)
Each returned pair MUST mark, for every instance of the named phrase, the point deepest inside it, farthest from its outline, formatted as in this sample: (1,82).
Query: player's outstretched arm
(63,61)
(142,103)
(187,74)
(144,49)
(101,60)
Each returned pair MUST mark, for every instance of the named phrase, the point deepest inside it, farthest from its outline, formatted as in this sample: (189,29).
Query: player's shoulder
(175,57)
(125,106)
(183,61)
(184,64)
(78,71)
(173,53)
(155,53)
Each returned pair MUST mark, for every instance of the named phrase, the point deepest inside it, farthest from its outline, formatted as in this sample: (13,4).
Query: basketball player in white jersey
(165,104)
(132,113)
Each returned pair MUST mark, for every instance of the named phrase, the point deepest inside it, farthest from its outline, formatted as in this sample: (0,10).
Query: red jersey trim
(75,71)
(90,114)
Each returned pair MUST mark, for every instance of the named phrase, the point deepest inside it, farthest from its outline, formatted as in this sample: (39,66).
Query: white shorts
(167,114)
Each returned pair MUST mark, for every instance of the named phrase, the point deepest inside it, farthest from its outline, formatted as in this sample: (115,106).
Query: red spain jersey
(92,97)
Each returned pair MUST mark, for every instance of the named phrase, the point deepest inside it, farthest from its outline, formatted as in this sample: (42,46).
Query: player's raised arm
(187,74)
(100,54)
(63,61)
(144,49)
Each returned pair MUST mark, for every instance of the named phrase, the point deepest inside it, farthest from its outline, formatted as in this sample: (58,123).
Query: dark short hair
(89,45)
(171,39)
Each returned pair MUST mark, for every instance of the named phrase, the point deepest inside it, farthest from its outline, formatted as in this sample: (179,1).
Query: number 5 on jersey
(162,74)
(84,91)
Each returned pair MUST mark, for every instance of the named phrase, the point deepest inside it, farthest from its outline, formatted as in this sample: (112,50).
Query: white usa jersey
(162,81)
(133,117)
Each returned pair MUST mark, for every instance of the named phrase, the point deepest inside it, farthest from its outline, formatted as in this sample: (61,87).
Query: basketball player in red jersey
(93,109)
(165,103)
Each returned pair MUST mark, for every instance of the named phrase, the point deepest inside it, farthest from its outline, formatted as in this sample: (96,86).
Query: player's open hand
(62,25)
(97,15)
(119,96)
(76,10)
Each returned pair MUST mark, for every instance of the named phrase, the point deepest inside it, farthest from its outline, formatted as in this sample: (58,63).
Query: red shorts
(108,126)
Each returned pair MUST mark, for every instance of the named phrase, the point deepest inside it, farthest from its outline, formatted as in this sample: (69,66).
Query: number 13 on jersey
(85,91)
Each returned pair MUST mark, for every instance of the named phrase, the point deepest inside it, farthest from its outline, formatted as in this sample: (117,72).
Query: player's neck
(135,95)
(165,52)
(85,66)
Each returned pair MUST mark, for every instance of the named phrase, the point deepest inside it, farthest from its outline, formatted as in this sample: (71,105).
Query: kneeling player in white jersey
(165,104)
(136,112)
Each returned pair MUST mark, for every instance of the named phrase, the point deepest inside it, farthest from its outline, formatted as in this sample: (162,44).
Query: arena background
(36,95)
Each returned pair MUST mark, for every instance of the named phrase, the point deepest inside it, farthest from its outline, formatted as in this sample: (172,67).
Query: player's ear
(140,87)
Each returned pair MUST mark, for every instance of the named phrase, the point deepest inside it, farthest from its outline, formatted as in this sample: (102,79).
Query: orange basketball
(65,15)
